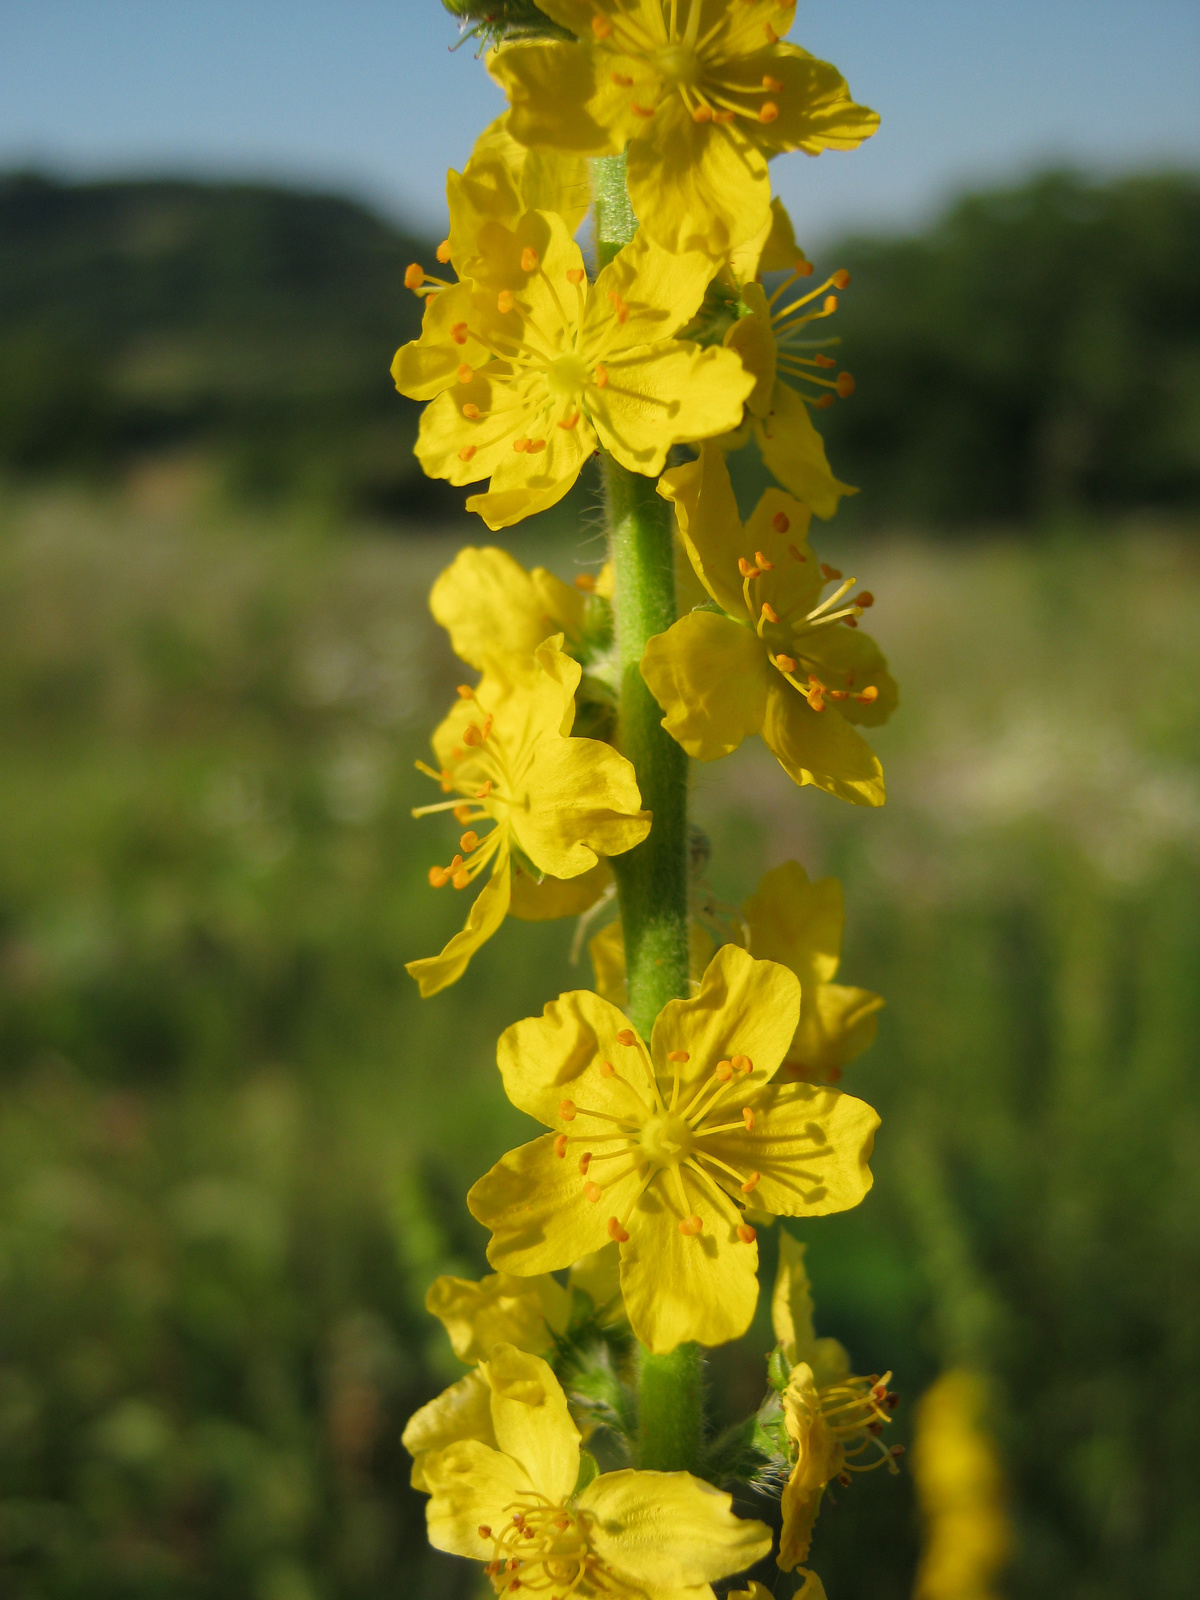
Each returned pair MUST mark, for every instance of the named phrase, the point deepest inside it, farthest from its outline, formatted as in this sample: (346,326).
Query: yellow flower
(811,1589)
(832,1417)
(702,93)
(961,1489)
(775,659)
(504,751)
(788,366)
(529,368)
(799,924)
(525,1506)
(664,1147)
(463,1411)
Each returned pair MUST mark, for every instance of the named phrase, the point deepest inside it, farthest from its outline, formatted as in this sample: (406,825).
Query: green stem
(652,879)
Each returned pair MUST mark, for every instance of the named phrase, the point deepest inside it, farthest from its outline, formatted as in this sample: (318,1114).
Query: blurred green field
(234,1144)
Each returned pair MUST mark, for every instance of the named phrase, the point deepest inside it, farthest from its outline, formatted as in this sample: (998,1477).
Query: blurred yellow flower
(775,659)
(528,367)
(669,1146)
(961,1489)
(799,924)
(810,1589)
(531,1509)
(702,92)
(832,1417)
(562,803)
(489,604)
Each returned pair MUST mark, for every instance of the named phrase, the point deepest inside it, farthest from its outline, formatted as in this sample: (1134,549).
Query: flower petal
(470,1485)
(848,651)
(697,186)
(815,109)
(543,901)
(820,747)
(811,1146)
(668,1530)
(794,453)
(588,804)
(709,526)
(797,922)
(484,600)
(535,1205)
(744,1007)
(557,96)
(660,291)
(463,1411)
(710,676)
(837,1023)
(499,1309)
(532,1423)
(434,973)
(546,1059)
(523,484)
(664,394)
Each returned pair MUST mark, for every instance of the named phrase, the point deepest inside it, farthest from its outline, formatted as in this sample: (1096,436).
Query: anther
(619,306)
(504,301)
(461,878)
(845,385)
(622,81)
(601,376)
(438,877)
(627,1036)
(585,1162)
(702,114)
(781,522)
(678,1055)
(465,373)
(830,304)
(462,814)
(896,1452)
(723,1070)
(575,275)
(795,554)
(414,276)
(786,663)
(484,1531)
(752,1183)
(601,26)
(748,1118)
(592,1192)
(772,84)
(824,361)
(471,411)
(536,445)
(529,259)
(724,117)
(641,111)
(521,445)
(743,1064)
(467,451)
(865,600)
(769,612)
(560,1146)
(468,842)
(868,694)
(459,333)
(567,1110)
(691,1226)
(616,1231)
(822,402)
(607,1069)
(473,734)
(568,423)
(747,568)
(844,1479)
(485,790)
(746,1233)
(585,581)
(841,279)
(829,573)
(772,36)
(761,562)
(768,111)
(443,251)
(803,269)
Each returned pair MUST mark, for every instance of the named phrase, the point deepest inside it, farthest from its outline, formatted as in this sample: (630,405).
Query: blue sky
(365,97)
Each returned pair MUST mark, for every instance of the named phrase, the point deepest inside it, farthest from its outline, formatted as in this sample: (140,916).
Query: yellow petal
(525,484)
(820,747)
(499,1309)
(485,600)
(810,1144)
(557,897)
(532,1423)
(587,804)
(819,1458)
(682,1287)
(471,1486)
(668,1530)
(660,291)
(815,109)
(794,453)
(544,1060)
(697,186)
(791,1302)
(797,922)
(463,1411)
(535,1206)
(555,96)
(744,1007)
(836,1027)
(599,1276)
(425,366)
(753,339)
(709,526)
(434,973)
(838,651)
(710,676)
(665,394)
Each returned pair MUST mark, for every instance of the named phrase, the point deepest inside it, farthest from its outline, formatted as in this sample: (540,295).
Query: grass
(235,1144)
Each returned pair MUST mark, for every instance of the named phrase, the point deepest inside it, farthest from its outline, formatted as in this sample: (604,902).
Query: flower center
(539,1547)
(678,64)
(567,376)
(667,1140)
(480,773)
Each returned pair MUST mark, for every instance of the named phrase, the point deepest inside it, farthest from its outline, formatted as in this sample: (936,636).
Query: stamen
(465,373)
(641,111)
(795,554)
(468,842)
(619,305)
(601,26)
(575,275)
(752,1183)
(560,1146)
(529,259)
(748,1118)
(746,1233)
(761,562)
(567,1110)
(459,333)
(504,301)
(567,423)
(616,1231)
(773,84)
(691,1226)
(785,663)
(781,523)
(769,612)
(678,1055)
(626,1036)
(483,792)
(471,412)
(414,276)
(601,379)
(466,453)
(536,445)
(585,1162)
(768,111)
(621,80)
(521,445)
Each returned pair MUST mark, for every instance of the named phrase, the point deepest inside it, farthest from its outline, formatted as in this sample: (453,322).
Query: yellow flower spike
(833,1418)
(800,682)
(799,924)
(702,94)
(961,1489)
(791,370)
(525,380)
(649,1141)
(505,754)
(512,1505)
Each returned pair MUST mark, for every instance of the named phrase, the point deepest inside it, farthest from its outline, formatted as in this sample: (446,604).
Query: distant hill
(255,321)
(1036,351)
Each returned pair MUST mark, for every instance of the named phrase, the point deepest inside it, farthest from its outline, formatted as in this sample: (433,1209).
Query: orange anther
(841,279)
(627,1036)
(796,555)
(746,1233)
(414,276)
(830,304)
(768,111)
(568,423)
(822,402)
(866,599)
(465,373)
(467,451)
(828,572)
(529,259)
(896,1451)
(504,301)
(748,1118)
(567,1110)
(786,663)
(601,26)
(575,275)
(484,1531)
(834,1074)
(607,1069)
(616,1231)
(443,251)
(461,878)
(773,84)
(521,445)
(482,793)
(473,734)
(743,1064)
(702,114)
(641,111)
(459,333)
(781,522)
(619,306)
(723,1070)
(678,1055)
(752,1183)
(769,612)
(601,379)
(560,1146)
(536,446)
(761,562)
(803,269)
(747,568)
(469,842)
(592,1192)
(824,361)
(585,1162)
(839,694)
(724,117)
(869,693)
(621,80)
(461,813)
(845,385)
(471,411)
(691,1226)
(585,581)
(438,877)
